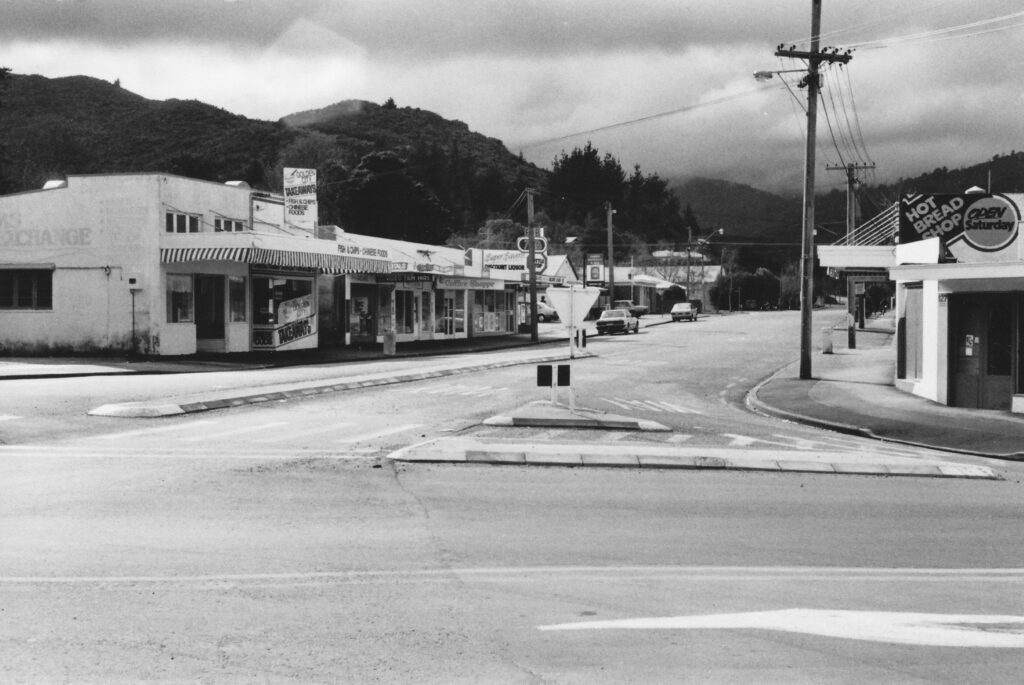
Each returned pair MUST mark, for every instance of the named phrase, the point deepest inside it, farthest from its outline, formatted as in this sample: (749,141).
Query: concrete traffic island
(545,414)
(651,455)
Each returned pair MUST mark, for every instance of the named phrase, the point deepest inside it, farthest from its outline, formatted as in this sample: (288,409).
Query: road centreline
(309,431)
(147,431)
(235,431)
(380,433)
(626,573)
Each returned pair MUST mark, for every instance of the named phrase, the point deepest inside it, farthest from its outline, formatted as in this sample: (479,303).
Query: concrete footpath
(852,391)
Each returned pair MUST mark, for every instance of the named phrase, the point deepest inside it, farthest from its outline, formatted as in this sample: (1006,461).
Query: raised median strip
(545,414)
(659,456)
(244,396)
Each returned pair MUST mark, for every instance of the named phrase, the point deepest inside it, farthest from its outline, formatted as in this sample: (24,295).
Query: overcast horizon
(930,84)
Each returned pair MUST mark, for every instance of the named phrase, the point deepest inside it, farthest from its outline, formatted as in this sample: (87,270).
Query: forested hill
(77,125)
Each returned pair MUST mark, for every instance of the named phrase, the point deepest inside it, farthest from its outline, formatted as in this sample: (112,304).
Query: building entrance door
(449,315)
(983,351)
(209,307)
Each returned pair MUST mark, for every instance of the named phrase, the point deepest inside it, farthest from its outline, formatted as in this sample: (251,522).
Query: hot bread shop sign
(988,223)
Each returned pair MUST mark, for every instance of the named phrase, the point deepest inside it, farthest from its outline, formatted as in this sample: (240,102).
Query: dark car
(617,321)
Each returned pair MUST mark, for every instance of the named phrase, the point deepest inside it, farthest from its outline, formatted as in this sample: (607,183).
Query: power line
(631,122)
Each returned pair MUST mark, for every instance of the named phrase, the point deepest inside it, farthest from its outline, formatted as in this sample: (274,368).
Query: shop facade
(959,274)
(162,265)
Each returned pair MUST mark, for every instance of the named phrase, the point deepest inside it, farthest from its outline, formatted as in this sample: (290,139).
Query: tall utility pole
(532,264)
(851,225)
(611,255)
(814,59)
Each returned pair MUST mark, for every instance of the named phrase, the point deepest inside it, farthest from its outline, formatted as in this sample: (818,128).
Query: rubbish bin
(826,341)
(389,343)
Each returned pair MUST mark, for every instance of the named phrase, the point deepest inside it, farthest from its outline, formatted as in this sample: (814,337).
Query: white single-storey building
(164,265)
(959,272)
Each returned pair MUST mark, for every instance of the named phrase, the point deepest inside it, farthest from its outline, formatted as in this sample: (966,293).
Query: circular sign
(539,244)
(540,262)
(990,223)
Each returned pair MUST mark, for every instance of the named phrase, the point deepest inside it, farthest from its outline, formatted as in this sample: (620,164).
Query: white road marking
(739,440)
(380,433)
(147,431)
(935,630)
(680,437)
(235,431)
(649,405)
(307,431)
(8,417)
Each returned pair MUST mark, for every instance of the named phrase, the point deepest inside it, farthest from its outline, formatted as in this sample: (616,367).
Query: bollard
(826,341)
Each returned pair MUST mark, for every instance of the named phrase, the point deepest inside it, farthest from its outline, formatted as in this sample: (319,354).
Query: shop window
(405,311)
(237,302)
(384,310)
(26,289)
(460,311)
(179,299)
(177,222)
(360,314)
(280,300)
(228,225)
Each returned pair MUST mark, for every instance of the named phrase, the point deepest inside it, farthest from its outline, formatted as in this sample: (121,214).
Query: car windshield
(613,314)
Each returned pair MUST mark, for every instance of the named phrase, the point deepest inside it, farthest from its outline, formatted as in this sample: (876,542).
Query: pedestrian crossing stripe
(650,405)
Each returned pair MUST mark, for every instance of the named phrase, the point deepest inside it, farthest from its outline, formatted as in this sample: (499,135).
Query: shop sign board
(405,277)
(451,283)
(987,223)
(300,207)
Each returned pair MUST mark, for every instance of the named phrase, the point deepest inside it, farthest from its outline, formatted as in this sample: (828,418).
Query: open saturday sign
(985,222)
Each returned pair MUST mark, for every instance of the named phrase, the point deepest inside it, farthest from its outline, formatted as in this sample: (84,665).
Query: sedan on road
(683,310)
(617,321)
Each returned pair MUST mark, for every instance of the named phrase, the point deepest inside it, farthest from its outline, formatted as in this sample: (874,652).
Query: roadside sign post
(572,305)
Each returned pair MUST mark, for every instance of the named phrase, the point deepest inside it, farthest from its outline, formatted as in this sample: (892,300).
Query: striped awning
(327,263)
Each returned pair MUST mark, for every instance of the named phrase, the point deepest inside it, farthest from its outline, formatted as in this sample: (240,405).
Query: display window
(284,310)
(180,300)
(450,312)
(493,311)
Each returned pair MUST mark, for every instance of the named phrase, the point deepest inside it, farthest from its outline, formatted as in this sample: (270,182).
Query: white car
(546,312)
(617,321)
(683,310)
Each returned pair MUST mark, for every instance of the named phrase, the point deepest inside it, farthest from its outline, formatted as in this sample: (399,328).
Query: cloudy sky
(666,84)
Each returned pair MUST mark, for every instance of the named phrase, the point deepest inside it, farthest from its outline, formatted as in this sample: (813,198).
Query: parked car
(617,321)
(546,312)
(636,310)
(683,310)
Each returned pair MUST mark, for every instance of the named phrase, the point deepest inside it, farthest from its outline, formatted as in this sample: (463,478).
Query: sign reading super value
(985,222)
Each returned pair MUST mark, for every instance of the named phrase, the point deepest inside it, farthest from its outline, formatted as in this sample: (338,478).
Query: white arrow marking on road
(937,630)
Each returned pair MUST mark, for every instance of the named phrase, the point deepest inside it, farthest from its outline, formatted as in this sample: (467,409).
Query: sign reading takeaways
(987,223)
(300,208)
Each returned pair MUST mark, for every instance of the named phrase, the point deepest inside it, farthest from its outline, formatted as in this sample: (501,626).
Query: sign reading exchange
(987,223)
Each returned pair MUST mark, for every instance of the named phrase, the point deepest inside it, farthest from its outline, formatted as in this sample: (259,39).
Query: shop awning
(327,263)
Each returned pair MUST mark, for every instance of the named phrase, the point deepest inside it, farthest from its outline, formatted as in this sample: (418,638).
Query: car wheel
(542,318)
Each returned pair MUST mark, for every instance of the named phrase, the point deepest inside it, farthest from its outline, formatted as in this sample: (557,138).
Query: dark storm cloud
(400,26)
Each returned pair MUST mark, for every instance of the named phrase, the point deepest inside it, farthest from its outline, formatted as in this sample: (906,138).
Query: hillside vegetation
(408,173)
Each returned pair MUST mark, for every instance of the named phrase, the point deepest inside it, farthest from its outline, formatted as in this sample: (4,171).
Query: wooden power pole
(814,59)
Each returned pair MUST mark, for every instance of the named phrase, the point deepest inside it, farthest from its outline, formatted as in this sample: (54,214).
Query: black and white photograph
(568,342)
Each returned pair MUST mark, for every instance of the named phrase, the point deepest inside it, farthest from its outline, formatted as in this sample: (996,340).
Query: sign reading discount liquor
(988,223)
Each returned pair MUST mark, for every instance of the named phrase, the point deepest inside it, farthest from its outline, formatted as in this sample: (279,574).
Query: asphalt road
(275,543)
